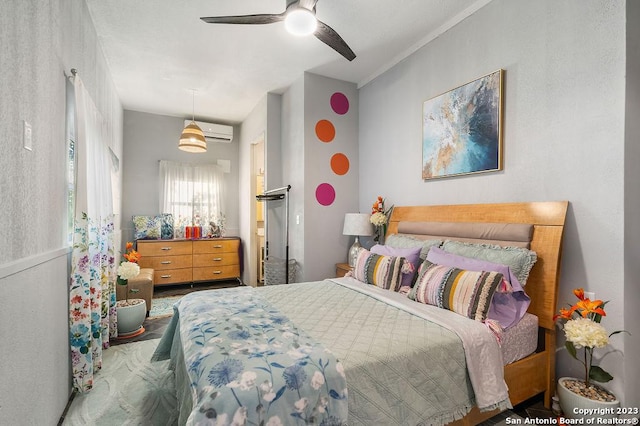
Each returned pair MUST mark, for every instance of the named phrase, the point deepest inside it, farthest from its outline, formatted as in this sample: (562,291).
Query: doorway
(256,257)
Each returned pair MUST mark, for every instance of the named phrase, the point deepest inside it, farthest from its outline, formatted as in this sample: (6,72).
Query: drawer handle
(217,259)
(165,262)
(217,246)
(165,276)
(165,248)
(217,272)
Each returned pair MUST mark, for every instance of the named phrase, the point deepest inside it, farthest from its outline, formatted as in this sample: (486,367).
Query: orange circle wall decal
(325,130)
(340,164)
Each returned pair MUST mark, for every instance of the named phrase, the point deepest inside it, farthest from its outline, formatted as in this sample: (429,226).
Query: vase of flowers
(583,332)
(380,219)
(130,312)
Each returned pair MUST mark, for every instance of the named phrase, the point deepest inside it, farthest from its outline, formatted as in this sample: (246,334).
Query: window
(193,194)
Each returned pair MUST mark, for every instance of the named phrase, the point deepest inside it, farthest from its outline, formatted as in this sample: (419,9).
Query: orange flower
(586,306)
(131,255)
(565,313)
(579,292)
(378,205)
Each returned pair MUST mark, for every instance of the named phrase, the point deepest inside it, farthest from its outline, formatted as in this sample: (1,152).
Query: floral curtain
(92,299)
(193,194)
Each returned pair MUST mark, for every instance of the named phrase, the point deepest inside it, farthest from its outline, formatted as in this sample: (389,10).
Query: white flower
(128,270)
(378,219)
(246,382)
(240,417)
(317,380)
(301,404)
(274,421)
(583,332)
(323,403)
(267,388)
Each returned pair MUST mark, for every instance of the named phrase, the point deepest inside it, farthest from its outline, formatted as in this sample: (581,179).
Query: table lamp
(356,224)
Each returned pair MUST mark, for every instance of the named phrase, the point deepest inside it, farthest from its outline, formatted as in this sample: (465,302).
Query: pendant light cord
(193,105)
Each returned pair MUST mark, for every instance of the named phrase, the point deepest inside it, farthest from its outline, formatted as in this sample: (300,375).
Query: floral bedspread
(247,363)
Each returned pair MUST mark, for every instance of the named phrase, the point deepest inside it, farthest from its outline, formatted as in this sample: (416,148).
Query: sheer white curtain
(192,193)
(92,298)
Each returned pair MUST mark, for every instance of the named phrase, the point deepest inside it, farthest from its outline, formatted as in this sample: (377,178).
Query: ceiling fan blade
(328,36)
(308,4)
(245,19)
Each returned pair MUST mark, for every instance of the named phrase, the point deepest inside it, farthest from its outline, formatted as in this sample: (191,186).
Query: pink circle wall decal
(325,131)
(325,194)
(339,103)
(340,164)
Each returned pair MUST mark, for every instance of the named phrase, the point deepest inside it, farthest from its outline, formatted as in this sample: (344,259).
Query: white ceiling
(159,51)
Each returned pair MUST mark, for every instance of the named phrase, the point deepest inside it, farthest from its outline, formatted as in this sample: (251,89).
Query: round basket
(274,271)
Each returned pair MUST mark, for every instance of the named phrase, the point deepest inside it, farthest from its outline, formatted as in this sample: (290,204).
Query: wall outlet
(27,142)
(590,295)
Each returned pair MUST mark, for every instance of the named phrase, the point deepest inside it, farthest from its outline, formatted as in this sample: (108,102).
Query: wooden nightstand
(342,269)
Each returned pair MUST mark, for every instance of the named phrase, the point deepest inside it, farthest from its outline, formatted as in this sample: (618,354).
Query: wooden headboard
(547,219)
(536,373)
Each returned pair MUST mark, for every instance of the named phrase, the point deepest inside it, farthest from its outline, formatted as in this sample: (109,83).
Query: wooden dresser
(216,259)
(184,261)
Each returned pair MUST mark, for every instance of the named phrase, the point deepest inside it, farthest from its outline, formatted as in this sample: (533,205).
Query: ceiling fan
(300,19)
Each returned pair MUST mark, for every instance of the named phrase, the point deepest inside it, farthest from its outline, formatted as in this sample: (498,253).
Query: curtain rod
(287,188)
(73,71)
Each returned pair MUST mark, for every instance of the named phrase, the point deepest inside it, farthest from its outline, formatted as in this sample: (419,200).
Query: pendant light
(192,138)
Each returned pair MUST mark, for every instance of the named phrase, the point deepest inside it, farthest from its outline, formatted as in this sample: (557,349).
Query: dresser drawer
(164,248)
(167,262)
(173,276)
(215,259)
(216,273)
(216,246)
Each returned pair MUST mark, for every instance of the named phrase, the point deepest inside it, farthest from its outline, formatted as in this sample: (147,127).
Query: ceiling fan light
(192,139)
(300,22)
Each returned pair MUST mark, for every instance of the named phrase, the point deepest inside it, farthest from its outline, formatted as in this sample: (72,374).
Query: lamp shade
(357,224)
(192,139)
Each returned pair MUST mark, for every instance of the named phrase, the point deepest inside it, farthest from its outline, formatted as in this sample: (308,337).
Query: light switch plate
(27,141)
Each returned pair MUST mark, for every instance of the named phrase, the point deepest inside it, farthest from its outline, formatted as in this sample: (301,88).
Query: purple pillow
(506,308)
(412,255)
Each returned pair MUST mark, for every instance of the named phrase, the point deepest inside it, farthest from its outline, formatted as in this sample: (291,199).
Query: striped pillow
(379,270)
(467,293)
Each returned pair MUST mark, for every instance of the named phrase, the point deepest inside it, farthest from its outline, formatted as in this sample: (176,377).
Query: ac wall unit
(214,132)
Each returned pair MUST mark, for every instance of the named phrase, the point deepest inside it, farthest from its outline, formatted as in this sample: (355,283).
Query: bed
(340,351)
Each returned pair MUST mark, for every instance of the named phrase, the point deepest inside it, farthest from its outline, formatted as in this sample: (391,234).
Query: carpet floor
(163,306)
(129,390)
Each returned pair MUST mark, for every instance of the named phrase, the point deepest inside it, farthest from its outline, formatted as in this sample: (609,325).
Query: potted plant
(130,312)
(583,331)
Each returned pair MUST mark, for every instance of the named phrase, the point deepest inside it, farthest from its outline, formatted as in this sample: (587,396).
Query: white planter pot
(576,406)
(131,317)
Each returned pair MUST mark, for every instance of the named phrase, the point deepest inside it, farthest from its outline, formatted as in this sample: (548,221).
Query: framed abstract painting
(462,129)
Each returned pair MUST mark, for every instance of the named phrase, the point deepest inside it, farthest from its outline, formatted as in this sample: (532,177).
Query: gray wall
(564,139)
(315,231)
(632,205)
(324,244)
(39,42)
(149,138)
